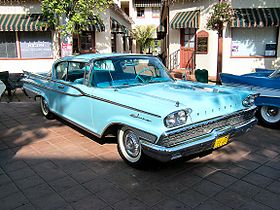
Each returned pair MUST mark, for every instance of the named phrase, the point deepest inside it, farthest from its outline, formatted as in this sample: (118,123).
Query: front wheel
(269,116)
(129,147)
(45,108)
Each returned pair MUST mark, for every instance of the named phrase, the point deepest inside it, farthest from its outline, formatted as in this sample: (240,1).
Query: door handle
(60,86)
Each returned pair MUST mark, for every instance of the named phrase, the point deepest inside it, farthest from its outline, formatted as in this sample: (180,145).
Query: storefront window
(253,41)
(86,39)
(84,42)
(140,11)
(8,45)
(35,44)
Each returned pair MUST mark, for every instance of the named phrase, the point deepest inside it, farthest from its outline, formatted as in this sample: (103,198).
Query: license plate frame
(221,141)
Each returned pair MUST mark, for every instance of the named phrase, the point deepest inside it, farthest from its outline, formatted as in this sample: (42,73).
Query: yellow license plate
(221,141)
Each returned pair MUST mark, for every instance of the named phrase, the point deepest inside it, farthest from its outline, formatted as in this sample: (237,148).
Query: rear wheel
(45,109)
(269,116)
(129,147)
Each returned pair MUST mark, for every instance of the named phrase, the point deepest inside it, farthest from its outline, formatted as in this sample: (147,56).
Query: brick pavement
(52,165)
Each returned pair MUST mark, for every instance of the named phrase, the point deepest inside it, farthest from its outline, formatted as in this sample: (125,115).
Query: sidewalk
(50,164)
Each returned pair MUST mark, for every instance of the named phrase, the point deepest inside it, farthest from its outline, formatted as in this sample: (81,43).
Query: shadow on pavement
(52,165)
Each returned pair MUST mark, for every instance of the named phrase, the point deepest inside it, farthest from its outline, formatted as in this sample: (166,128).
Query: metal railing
(174,60)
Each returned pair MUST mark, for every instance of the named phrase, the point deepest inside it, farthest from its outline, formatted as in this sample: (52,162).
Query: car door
(72,99)
(59,75)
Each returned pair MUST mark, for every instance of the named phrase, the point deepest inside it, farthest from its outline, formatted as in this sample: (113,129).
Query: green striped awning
(147,3)
(116,27)
(256,17)
(95,24)
(161,29)
(188,19)
(22,22)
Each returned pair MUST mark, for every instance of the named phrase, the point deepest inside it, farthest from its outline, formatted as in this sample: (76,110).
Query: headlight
(249,100)
(176,118)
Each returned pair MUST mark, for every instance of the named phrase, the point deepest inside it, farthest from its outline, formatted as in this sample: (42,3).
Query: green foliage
(221,14)
(143,35)
(79,14)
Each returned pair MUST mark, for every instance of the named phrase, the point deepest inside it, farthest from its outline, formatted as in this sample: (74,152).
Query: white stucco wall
(34,65)
(209,61)
(148,19)
(24,8)
(103,39)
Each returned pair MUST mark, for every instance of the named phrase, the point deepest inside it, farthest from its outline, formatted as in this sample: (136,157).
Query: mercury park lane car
(134,98)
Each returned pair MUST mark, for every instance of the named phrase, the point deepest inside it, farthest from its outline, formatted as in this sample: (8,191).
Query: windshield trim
(120,57)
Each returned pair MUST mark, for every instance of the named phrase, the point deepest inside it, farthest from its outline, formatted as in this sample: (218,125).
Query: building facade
(250,41)
(143,12)
(26,45)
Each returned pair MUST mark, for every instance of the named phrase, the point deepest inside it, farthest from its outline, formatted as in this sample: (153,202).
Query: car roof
(88,57)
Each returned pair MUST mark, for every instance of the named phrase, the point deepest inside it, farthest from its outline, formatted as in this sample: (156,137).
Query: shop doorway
(187,49)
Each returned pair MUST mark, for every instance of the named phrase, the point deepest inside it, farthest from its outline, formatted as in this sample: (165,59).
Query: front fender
(106,114)
(153,128)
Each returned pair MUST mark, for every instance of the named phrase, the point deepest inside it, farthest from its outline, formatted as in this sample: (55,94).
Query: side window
(102,73)
(61,70)
(76,71)
(103,65)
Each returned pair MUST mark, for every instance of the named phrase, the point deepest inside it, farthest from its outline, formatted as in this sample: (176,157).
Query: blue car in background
(134,98)
(267,83)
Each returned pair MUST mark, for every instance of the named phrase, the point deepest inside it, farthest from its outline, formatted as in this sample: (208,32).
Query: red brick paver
(49,164)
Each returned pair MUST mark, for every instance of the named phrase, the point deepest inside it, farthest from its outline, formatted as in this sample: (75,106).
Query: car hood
(206,101)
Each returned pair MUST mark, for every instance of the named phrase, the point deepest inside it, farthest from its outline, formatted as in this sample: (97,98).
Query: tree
(221,14)
(144,36)
(72,16)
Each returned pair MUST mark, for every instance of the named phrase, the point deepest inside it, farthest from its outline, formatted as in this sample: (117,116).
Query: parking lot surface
(50,164)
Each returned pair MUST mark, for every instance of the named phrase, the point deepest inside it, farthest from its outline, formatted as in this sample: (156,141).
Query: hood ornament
(177,104)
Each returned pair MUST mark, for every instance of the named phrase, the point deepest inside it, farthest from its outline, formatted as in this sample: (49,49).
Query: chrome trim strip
(268,96)
(87,95)
(49,88)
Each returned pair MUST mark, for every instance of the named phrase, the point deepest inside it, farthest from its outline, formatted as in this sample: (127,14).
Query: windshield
(128,71)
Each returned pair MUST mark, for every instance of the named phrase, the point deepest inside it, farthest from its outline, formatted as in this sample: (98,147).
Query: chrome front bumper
(195,145)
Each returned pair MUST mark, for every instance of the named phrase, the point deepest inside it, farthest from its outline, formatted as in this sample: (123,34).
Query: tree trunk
(56,45)
(220,56)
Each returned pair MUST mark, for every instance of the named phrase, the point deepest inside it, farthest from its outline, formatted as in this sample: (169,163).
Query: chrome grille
(206,127)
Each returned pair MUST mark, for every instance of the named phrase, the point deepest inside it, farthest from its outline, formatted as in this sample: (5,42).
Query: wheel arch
(112,129)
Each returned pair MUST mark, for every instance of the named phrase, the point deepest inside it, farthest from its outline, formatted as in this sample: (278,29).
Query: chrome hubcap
(45,106)
(131,144)
(272,111)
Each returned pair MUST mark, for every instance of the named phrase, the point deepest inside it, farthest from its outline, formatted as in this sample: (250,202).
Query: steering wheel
(141,78)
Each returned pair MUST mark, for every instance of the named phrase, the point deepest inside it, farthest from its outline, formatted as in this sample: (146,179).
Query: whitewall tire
(269,116)
(45,108)
(129,147)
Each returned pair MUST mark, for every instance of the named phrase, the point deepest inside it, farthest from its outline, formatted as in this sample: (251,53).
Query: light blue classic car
(134,98)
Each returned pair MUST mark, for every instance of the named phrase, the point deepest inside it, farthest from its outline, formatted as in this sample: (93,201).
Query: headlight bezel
(249,101)
(177,118)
